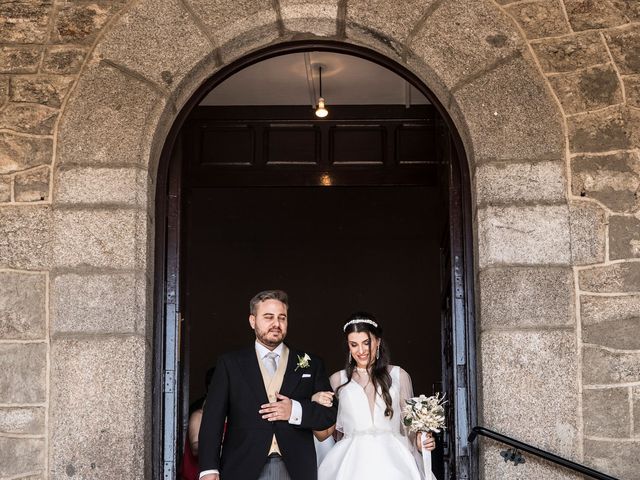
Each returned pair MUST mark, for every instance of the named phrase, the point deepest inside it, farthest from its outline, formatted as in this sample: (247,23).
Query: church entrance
(366,208)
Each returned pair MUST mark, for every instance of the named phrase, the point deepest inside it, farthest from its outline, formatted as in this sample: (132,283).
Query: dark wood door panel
(388,145)
(358,145)
(224,145)
(292,145)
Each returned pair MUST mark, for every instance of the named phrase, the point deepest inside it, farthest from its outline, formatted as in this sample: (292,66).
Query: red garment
(189,469)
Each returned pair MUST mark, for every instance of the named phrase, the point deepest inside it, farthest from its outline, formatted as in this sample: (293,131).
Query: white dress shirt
(296,408)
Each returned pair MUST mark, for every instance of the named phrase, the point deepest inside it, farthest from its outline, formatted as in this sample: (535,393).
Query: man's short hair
(279,295)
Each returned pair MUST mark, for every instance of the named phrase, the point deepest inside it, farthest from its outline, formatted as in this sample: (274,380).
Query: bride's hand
(429,442)
(323,398)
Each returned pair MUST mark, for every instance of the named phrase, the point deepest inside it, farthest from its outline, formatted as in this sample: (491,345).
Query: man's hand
(211,476)
(429,443)
(277,411)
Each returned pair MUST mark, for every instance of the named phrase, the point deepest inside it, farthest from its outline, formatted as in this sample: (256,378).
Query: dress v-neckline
(366,398)
(372,411)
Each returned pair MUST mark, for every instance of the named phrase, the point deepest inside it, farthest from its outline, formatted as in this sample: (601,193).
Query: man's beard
(265,340)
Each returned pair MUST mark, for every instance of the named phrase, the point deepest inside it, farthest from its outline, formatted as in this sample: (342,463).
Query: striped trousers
(274,469)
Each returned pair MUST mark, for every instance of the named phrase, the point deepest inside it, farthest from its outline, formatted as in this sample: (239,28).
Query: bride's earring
(349,358)
(378,353)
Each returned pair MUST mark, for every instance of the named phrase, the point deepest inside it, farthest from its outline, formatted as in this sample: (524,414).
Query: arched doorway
(457,316)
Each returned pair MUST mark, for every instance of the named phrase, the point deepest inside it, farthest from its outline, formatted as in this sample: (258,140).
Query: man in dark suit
(264,393)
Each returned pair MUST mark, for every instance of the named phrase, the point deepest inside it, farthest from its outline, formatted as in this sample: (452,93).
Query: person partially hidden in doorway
(189,468)
(264,392)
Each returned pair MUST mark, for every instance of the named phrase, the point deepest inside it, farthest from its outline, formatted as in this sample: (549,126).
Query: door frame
(167,309)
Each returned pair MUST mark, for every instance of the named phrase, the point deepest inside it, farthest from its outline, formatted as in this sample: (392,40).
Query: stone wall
(546,96)
(72,297)
(589,52)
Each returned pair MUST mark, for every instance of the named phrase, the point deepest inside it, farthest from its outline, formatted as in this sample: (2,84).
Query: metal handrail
(475,431)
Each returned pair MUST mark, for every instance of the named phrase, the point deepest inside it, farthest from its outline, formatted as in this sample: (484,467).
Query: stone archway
(170,210)
(149,61)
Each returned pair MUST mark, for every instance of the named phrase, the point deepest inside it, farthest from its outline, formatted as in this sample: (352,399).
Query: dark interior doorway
(345,214)
(364,210)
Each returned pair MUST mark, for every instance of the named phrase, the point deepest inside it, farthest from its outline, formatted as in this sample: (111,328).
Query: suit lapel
(291,377)
(251,373)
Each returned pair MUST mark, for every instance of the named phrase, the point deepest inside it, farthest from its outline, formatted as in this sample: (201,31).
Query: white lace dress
(373,446)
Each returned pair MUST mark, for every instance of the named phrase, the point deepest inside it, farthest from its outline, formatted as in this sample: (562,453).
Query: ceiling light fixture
(321,111)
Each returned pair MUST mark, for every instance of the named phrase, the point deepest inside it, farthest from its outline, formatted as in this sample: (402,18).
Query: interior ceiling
(283,80)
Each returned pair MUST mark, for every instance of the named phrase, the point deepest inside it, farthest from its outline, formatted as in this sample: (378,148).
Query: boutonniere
(303,362)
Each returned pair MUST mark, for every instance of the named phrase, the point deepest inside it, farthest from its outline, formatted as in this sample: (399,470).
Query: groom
(264,393)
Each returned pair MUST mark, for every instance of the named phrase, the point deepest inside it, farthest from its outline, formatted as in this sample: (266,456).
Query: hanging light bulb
(321,111)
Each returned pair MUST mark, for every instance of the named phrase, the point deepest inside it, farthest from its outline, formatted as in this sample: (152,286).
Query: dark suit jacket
(236,394)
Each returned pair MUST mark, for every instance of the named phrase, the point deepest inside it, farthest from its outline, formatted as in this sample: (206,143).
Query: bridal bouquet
(424,414)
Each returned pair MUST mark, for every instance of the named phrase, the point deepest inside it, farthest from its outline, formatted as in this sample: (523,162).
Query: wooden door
(448,435)
(458,331)
(167,334)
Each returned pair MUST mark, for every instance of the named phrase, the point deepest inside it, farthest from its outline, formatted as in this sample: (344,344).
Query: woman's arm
(314,415)
(194,429)
(322,435)
(327,399)
(406,392)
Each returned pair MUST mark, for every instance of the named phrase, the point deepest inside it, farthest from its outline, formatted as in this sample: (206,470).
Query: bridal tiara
(359,320)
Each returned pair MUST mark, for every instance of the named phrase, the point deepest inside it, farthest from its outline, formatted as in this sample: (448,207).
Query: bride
(371,395)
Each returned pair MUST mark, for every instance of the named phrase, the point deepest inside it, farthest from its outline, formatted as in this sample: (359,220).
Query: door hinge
(169,471)
(169,381)
(458,284)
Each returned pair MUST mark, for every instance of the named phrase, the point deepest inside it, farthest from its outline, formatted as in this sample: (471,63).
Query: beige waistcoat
(272,385)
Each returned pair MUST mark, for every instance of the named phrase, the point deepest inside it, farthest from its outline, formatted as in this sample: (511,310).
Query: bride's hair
(379,371)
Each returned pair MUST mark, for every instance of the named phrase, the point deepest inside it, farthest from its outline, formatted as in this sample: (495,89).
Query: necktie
(270,363)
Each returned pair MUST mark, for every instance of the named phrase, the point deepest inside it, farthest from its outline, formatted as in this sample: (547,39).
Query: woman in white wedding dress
(371,394)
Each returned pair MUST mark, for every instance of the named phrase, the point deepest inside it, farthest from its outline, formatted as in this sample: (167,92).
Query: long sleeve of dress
(406,392)
(336,380)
